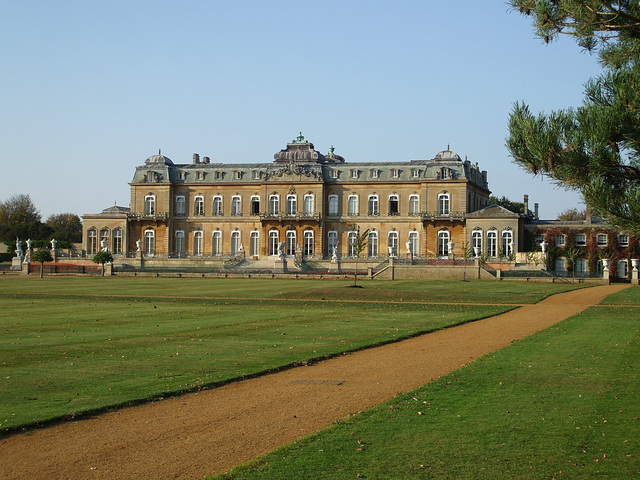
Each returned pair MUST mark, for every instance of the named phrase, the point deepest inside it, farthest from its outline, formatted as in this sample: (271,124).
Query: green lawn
(75,344)
(561,404)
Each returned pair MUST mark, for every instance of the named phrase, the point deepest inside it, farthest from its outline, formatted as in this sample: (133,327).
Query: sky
(89,90)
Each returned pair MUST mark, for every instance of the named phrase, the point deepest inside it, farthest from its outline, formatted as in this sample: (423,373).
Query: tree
(20,218)
(515,207)
(359,244)
(594,148)
(572,215)
(41,256)
(102,257)
(66,227)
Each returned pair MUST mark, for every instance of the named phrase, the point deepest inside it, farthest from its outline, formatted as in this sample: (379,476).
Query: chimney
(535,211)
(196,158)
(206,159)
(526,205)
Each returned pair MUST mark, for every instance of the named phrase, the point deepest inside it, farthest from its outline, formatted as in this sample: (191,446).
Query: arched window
(255,244)
(414,247)
(373,244)
(333,205)
(623,269)
(198,205)
(393,244)
(255,205)
(443,243)
(179,247)
(309,204)
(351,241)
(492,243)
(292,204)
(290,246)
(216,243)
(274,204)
(197,243)
(180,205)
(217,205)
(150,205)
(373,205)
(332,242)
(307,243)
(443,204)
(353,205)
(273,242)
(560,266)
(414,205)
(104,238)
(393,205)
(92,241)
(476,242)
(117,241)
(507,243)
(236,205)
(149,242)
(235,242)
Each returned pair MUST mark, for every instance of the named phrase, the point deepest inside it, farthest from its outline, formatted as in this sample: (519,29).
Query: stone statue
(29,243)
(241,249)
(408,245)
(53,243)
(334,255)
(19,253)
(281,254)
(103,245)
(139,245)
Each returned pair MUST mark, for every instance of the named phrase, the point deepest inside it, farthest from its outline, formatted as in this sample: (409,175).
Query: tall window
(179,247)
(292,204)
(216,243)
(414,205)
(92,243)
(180,205)
(332,242)
(373,205)
(333,205)
(443,243)
(198,206)
(623,268)
(274,203)
(290,246)
(413,243)
(255,205)
(581,267)
(443,204)
(217,205)
(560,266)
(492,243)
(150,205)
(197,243)
(235,242)
(393,205)
(104,237)
(273,242)
(353,205)
(507,243)
(351,240)
(117,241)
(393,244)
(255,244)
(309,204)
(373,244)
(476,240)
(307,243)
(236,205)
(149,242)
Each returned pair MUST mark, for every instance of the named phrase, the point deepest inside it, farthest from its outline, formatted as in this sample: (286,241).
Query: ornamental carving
(293,169)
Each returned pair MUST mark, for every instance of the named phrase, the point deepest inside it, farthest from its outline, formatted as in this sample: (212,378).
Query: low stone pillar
(108,269)
(281,264)
(26,267)
(499,274)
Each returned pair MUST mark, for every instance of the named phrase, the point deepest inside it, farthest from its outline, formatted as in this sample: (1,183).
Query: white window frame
(443,243)
(181,204)
(414,205)
(274,242)
(292,204)
(92,241)
(602,239)
(373,173)
(476,240)
(218,206)
(623,240)
(492,243)
(581,239)
(415,173)
(255,201)
(256,174)
(623,268)
(444,204)
(374,206)
(198,205)
(235,242)
(392,244)
(309,204)
(372,244)
(254,240)
(200,175)
(394,198)
(149,204)
(236,205)
(332,241)
(116,240)
(149,242)
(179,243)
(507,243)
(198,243)
(352,205)
(307,243)
(414,243)
(332,209)
(216,243)
(351,237)
(560,240)
(274,204)
(354,173)
(395,173)
(290,243)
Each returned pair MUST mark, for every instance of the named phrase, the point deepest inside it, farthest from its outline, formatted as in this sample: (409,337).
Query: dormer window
(200,175)
(374,173)
(182,175)
(237,175)
(415,173)
(151,176)
(354,173)
(256,175)
(395,173)
(333,174)
(218,175)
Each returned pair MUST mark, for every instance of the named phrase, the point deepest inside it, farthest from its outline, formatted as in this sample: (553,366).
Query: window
(332,242)
(117,241)
(507,243)
(255,205)
(581,239)
(290,245)
(354,173)
(149,242)
(309,204)
(237,175)
(353,205)
(602,239)
(92,241)
(333,173)
(151,176)
(413,243)
(236,205)
(218,175)
(179,246)
(198,206)
(415,173)
(395,173)
(197,243)
(393,244)
(443,204)
(373,244)
(307,243)
(182,175)
(333,205)
(150,205)
(373,205)
(492,243)
(274,201)
(235,242)
(216,243)
(560,266)
(256,175)
(623,240)
(581,266)
(200,175)
(444,173)
(180,205)
(443,243)
(255,244)
(104,238)
(560,240)
(217,206)
(374,173)
(351,240)
(414,205)
(393,205)
(273,242)
(476,241)
(292,204)
(622,269)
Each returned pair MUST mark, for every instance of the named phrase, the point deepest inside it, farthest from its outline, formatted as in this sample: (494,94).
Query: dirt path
(196,435)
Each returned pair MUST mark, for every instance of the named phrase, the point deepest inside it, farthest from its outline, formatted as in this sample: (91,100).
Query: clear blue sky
(88,90)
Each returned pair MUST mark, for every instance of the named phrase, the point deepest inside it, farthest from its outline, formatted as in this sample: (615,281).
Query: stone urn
(634,263)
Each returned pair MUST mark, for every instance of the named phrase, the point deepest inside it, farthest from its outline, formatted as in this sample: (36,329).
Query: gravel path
(195,435)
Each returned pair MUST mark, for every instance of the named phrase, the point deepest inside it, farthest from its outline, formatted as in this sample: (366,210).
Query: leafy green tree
(102,257)
(19,217)
(572,215)
(359,244)
(515,207)
(65,227)
(594,148)
(41,256)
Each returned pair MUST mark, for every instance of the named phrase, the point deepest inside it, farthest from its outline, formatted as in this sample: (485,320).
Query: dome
(158,159)
(448,155)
